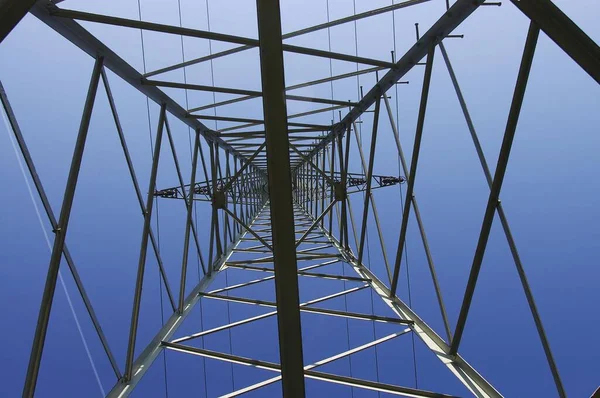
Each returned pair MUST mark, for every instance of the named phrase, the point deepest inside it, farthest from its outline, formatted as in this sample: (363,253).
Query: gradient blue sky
(550,195)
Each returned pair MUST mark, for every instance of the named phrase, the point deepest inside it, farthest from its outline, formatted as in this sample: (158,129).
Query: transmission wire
(402,206)
(187,106)
(333,154)
(160,278)
(409,296)
(212,78)
(359,133)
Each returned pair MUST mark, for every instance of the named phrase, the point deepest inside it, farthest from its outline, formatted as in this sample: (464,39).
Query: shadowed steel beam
(188,223)
(11,13)
(281,199)
(334,78)
(369,174)
(214,228)
(440,29)
(137,296)
(331,55)
(511,127)
(79,36)
(200,87)
(315,28)
(60,233)
(131,23)
(564,32)
(344,185)
(413,168)
(509,237)
(12,120)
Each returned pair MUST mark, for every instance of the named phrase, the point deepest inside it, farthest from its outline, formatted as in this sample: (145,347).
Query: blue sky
(550,195)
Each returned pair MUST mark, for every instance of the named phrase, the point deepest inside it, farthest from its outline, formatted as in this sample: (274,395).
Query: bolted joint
(339,191)
(219,199)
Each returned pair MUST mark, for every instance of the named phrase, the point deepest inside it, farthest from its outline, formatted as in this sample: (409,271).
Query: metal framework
(279,196)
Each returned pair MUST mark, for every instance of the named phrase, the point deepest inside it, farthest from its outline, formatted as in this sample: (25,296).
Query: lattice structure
(280,195)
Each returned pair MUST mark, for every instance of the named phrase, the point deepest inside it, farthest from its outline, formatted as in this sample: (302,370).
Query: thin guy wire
(401,200)
(212,70)
(359,132)
(343,268)
(162,311)
(373,312)
(187,106)
(212,78)
(60,277)
(409,296)
(160,281)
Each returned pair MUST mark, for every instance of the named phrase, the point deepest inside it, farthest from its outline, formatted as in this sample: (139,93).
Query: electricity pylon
(280,195)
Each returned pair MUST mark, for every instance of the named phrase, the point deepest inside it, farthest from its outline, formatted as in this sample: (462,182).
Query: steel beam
(490,211)
(315,28)
(564,32)
(413,168)
(440,29)
(11,13)
(369,174)
(202,34)
(137,296)
(281,199)
(60,234)
(80,37)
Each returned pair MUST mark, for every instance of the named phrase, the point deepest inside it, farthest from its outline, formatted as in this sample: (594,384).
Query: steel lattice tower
(279,196)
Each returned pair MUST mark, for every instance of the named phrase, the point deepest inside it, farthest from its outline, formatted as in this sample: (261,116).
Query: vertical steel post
(280,193)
